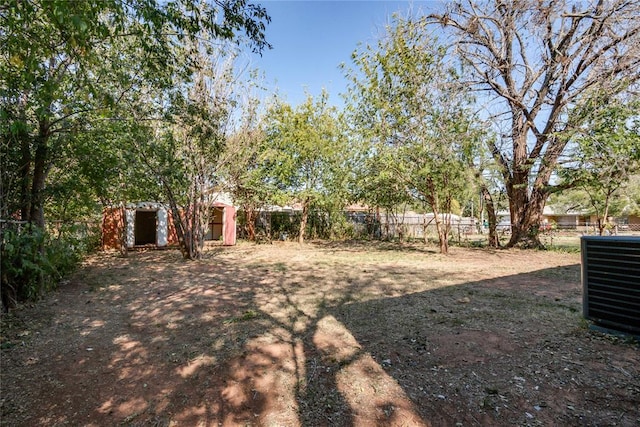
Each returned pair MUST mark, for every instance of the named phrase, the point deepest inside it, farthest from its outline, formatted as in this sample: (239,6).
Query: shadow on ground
(245,338)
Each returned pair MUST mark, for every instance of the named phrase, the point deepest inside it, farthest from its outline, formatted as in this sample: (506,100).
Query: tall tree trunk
(23,138)
(526,215)
(303,220)
(525,209)
(526,205)
(194,232)
(179,219)
(602,223)
(201,223)
(178,223)
(40,169)
(197,226)
(441,228)
(442,233)
(195,219)
(250,222)
(494,241)
(25,177)
(425,229)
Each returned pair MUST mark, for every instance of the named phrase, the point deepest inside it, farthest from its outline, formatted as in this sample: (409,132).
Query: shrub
(32,262)
(23,264)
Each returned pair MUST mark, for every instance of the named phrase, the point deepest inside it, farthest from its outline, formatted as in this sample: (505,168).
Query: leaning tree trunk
(178,224)
(442,234)
(179,219)
(602,223)
(425,229)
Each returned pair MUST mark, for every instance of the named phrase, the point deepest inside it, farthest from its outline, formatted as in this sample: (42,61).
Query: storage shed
(150,224)
(222,224)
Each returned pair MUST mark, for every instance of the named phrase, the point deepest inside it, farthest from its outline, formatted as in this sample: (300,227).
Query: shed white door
(163,229)
(130,220)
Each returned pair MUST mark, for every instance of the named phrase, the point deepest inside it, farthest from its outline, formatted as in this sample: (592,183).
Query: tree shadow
(147,339)
(374,245)
(444,346)
(153,340)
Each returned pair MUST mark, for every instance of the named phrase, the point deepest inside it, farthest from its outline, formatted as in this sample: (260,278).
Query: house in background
(150,224)
(567,220)
(586,222)
(580,221)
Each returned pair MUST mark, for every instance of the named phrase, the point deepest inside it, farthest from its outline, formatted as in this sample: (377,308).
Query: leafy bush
(341,227)
(33,262)
(23,264)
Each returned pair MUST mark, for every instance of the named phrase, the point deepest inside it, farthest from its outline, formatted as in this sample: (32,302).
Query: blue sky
(311,38)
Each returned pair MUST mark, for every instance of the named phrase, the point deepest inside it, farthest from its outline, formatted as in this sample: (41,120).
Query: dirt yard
(325,334)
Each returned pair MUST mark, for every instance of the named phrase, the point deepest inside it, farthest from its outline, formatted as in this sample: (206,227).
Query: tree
(606,153)
(67,65)
(536,60)
(62,60)
(490,192)
(245,173)
(304,153)
(190,125)
(630,202)
(407,104)
(376,183)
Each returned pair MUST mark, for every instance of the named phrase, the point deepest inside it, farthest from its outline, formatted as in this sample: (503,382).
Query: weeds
(246,316)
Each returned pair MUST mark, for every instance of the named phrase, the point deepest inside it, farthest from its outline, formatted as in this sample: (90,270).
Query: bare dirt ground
(325,334)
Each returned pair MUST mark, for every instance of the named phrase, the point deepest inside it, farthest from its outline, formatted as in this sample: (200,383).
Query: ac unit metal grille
(611,281)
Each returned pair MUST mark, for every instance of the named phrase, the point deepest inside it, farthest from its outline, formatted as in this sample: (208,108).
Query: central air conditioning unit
(611,282)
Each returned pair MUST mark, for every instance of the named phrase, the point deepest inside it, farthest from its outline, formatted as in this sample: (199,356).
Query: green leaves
(606,153)
(305,154)
(68,66)
(413,115)
(32,262)
(304,146)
